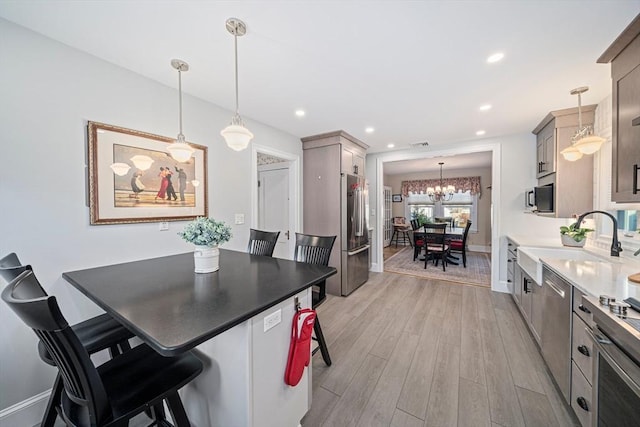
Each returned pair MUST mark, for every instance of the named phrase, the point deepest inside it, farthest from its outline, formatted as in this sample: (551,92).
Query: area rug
(478,271)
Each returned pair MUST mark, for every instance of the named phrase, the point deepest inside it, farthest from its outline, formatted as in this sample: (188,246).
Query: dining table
(237,320)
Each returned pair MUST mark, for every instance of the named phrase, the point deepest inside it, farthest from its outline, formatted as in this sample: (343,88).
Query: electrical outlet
(239,218)
(164,226)
(272,320)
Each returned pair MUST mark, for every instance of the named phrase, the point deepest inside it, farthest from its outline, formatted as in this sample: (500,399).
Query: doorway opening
(276,196)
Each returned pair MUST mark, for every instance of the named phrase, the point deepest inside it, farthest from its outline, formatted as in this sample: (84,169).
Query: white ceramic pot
(568,241)
(206,259)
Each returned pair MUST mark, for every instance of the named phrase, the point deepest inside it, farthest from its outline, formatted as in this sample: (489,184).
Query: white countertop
(538,242)
(597,278)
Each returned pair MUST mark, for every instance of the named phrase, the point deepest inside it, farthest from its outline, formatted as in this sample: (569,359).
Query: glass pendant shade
(180,150)
(589,144)
(120,169)
(142,162)
(237,136)
(571,154)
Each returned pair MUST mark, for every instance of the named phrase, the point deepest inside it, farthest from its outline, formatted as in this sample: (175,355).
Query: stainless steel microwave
(539,199)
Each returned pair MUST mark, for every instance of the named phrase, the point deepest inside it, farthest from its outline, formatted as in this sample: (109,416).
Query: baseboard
(26,413)
(501,286)
(375,268)
(479,248)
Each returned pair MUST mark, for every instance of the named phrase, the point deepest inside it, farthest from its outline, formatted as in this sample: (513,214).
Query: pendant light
(180,150)
(236,135)
(441,192)
(583,141)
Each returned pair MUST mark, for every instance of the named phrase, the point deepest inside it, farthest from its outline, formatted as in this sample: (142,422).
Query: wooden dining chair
(460,245)
(262,242)
(316,250)
(436,247)
(99,333)
(400,231)
(116,391)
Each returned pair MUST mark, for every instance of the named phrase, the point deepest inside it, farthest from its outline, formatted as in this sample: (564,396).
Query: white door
(387,220)
(273,207)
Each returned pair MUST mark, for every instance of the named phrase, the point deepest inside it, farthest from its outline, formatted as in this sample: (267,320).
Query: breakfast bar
(223,317)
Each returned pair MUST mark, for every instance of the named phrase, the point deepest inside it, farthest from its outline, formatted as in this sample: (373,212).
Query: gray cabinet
(326,159)
(582,362)
(572,181)
(513,271)
(624,55)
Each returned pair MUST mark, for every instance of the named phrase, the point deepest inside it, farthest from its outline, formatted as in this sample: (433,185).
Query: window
(462,207)
(627,221)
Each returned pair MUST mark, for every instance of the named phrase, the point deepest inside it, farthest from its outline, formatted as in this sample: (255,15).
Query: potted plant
(206,234)
(574,235)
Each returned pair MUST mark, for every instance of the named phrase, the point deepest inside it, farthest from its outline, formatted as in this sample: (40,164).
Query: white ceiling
(414,70)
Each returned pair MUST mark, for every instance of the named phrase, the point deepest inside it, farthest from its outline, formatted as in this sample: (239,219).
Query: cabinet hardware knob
(584,350)
(582,402)
(584,309)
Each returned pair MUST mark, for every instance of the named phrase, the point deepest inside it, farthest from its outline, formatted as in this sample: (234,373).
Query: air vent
(419,144)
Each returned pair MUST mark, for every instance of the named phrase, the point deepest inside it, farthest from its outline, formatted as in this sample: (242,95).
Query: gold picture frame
(132,178)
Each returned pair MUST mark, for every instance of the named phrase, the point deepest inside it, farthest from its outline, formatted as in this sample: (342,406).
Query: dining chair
(418,243)
(460,245)
(316,250)
(96,334)
(436,247)
(262,242)
(400,231)
(116,391)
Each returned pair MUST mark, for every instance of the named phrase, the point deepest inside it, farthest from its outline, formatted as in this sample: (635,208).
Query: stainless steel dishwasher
(556,329)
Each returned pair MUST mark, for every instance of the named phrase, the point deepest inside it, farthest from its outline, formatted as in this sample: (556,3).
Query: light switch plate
(239,219)
(272,320)
(164,226)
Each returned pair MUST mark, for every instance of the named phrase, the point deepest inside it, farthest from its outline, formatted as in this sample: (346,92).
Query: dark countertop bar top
(173,309)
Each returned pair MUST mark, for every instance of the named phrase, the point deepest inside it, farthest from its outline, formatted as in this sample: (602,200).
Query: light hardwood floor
(413,352)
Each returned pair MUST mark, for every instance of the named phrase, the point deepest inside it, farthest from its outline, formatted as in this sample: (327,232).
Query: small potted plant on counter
(573,235)
(206,234)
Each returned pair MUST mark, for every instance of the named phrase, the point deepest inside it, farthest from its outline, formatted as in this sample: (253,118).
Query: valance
(467,183)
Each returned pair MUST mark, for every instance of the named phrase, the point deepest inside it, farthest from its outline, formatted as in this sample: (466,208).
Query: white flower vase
(206,259)
(568,241)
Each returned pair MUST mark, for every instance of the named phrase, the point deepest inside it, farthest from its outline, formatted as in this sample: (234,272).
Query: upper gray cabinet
(624,56)
(573,181)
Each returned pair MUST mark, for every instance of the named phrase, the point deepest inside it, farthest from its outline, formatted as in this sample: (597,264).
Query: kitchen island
(238,321)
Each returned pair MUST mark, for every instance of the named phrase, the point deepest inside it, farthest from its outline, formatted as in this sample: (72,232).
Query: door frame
(378,262)
(295,188)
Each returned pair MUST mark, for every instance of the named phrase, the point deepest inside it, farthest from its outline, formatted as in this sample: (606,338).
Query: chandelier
(441,193)
(583,141)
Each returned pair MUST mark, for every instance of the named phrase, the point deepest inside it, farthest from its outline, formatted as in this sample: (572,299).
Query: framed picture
(396,198)
(132,178)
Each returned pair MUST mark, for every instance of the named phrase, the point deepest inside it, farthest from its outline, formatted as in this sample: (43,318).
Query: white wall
(48,91)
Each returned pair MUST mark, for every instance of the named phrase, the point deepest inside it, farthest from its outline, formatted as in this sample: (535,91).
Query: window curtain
(467,183)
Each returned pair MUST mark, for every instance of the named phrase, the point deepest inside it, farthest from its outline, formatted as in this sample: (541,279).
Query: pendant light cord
(180,96)
(579,111)
(235,43)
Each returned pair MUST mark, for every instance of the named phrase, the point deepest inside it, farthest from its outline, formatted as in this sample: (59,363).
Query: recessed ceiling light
(480,132)
(300,113)
(495,57)
(369,129)
(391,145)
(485,107)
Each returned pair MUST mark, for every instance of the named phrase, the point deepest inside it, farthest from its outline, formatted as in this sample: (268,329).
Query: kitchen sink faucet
(616,247)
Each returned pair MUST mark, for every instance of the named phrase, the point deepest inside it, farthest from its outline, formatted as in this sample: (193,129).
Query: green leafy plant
(206,232)
(576,233)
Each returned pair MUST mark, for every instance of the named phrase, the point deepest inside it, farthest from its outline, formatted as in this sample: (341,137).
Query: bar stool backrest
(262,242)
(313,249)
(82,384)
(11,267)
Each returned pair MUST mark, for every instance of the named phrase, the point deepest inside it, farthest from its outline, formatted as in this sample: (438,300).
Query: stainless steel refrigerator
(355,233)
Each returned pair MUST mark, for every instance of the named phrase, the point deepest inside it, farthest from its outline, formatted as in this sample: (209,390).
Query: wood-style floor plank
(473,404)
(471,360)
(452,325)
(443,401)
(323,404)
(382,404)
(536,408)
(355,398)
(402,419)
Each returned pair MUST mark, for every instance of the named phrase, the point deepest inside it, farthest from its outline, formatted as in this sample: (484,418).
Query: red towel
(300,346)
